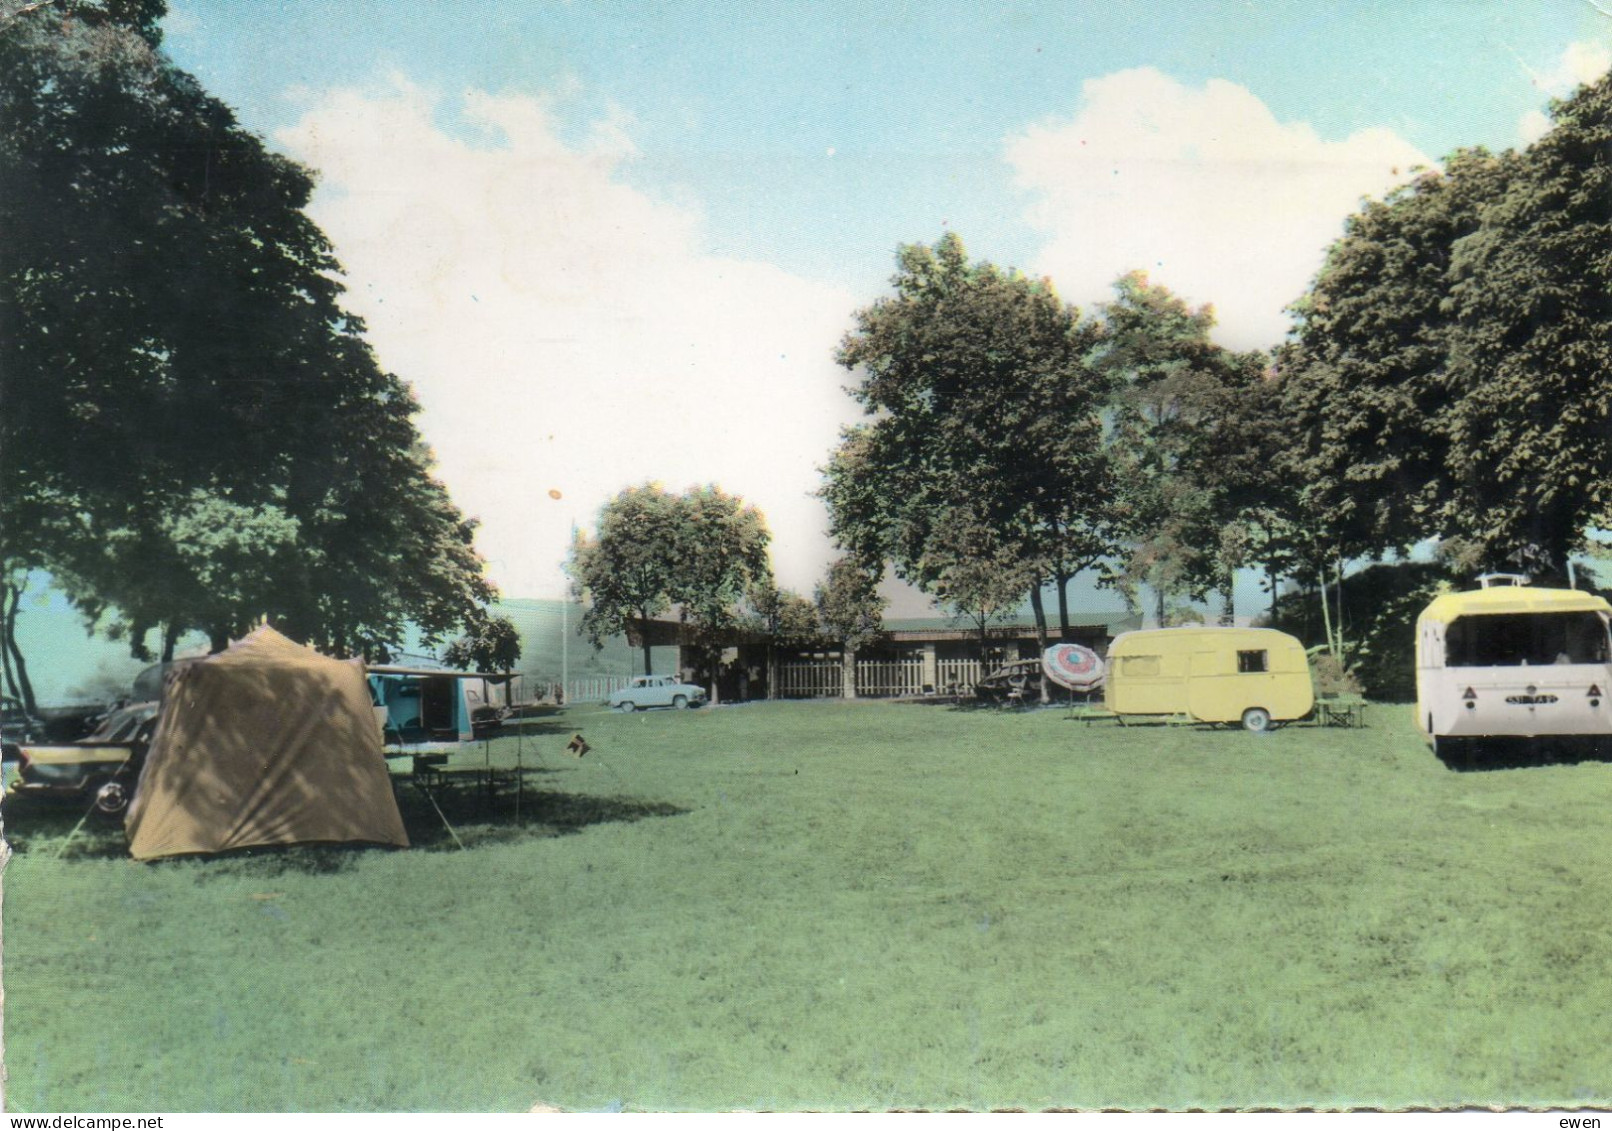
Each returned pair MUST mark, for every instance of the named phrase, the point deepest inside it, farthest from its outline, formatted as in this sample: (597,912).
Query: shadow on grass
(1478,754)
(43,828)
(440,820)
(444,820)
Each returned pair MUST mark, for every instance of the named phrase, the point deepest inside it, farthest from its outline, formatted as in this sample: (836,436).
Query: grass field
(834,906)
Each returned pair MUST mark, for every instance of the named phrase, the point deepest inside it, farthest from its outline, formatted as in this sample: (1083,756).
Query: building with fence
(913,657)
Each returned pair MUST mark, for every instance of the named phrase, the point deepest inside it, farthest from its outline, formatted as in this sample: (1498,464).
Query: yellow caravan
(1253,676)
(1509,660)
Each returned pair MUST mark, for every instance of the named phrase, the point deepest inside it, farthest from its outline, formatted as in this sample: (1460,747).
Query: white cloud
(1580,63)
(563,331)
(1202,188)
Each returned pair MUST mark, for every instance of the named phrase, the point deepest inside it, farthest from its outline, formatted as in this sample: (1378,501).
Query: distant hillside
(550,641)
(70,664)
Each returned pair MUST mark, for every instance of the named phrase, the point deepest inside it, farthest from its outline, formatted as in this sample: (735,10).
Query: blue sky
(617,242)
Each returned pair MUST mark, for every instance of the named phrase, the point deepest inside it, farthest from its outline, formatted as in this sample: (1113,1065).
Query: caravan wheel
(1257,720)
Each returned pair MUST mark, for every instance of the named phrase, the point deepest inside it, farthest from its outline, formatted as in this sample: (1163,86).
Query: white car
(656,691)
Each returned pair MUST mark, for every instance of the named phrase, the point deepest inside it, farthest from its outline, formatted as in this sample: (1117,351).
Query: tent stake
(445,824)
(74,833)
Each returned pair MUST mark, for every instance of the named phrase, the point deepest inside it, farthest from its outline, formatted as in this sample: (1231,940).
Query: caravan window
(1253,661)
(1513,639)
(1139,665)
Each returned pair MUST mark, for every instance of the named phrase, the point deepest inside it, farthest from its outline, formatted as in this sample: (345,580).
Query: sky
(616,243)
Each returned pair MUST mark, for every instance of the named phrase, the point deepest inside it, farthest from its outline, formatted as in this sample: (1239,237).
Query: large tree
(981,397)
(1530,350)
(174,358)
(1453,362)
(1192,433)
(1366,379)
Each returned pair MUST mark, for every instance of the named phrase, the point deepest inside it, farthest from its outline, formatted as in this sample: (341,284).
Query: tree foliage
(981,399)
(849,606)
(974,575)
(1192,437)
(786,620)
(1452,367)
(196,433)
(701,551)
(492,644)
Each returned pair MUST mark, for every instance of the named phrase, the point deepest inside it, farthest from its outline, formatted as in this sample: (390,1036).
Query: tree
(980,393)
(786,619)
(850,610)
(1530,348)
(492,644)
(722,555)
(1189,444)
(630,569)
(1365,378)
(174,358)
(1453,362)
(974,574)
(700,551)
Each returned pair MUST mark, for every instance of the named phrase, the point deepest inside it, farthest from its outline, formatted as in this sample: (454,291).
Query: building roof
(957,628)
(911,629)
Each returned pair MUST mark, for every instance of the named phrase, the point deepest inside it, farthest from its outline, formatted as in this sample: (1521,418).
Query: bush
(1380,607)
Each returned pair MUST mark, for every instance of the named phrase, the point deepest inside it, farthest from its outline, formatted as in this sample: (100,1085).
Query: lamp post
(565,612)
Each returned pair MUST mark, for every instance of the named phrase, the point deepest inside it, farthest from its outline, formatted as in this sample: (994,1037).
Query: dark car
(1015,682)
(99,770)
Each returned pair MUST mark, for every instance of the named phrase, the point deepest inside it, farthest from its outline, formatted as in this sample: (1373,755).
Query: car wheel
(1257,720)
(628,708)
(111,799)
(680,702)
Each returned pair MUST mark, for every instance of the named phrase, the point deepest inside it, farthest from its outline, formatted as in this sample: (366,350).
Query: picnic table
(1340,711)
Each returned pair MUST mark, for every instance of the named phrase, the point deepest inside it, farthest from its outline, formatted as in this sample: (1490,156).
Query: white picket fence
(876,679)
(880,679)
(810,679)
(956,676)
(594,689)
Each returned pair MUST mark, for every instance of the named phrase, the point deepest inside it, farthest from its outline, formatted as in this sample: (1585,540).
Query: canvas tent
(266,743)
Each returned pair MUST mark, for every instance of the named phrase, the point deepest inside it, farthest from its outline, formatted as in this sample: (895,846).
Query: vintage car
(656,691)
(98,771)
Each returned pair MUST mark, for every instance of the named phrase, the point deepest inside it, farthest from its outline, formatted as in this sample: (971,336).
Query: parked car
(99,770)
(1015,682)
(656,691)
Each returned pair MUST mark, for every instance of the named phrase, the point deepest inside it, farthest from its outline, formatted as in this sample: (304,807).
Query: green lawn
(832,906)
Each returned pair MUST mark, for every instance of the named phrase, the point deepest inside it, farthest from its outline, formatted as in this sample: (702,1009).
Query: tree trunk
(643,629)
(847,672)
(170,637)
(1040,633)
(19,666)
(1063,603)
(8,682)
